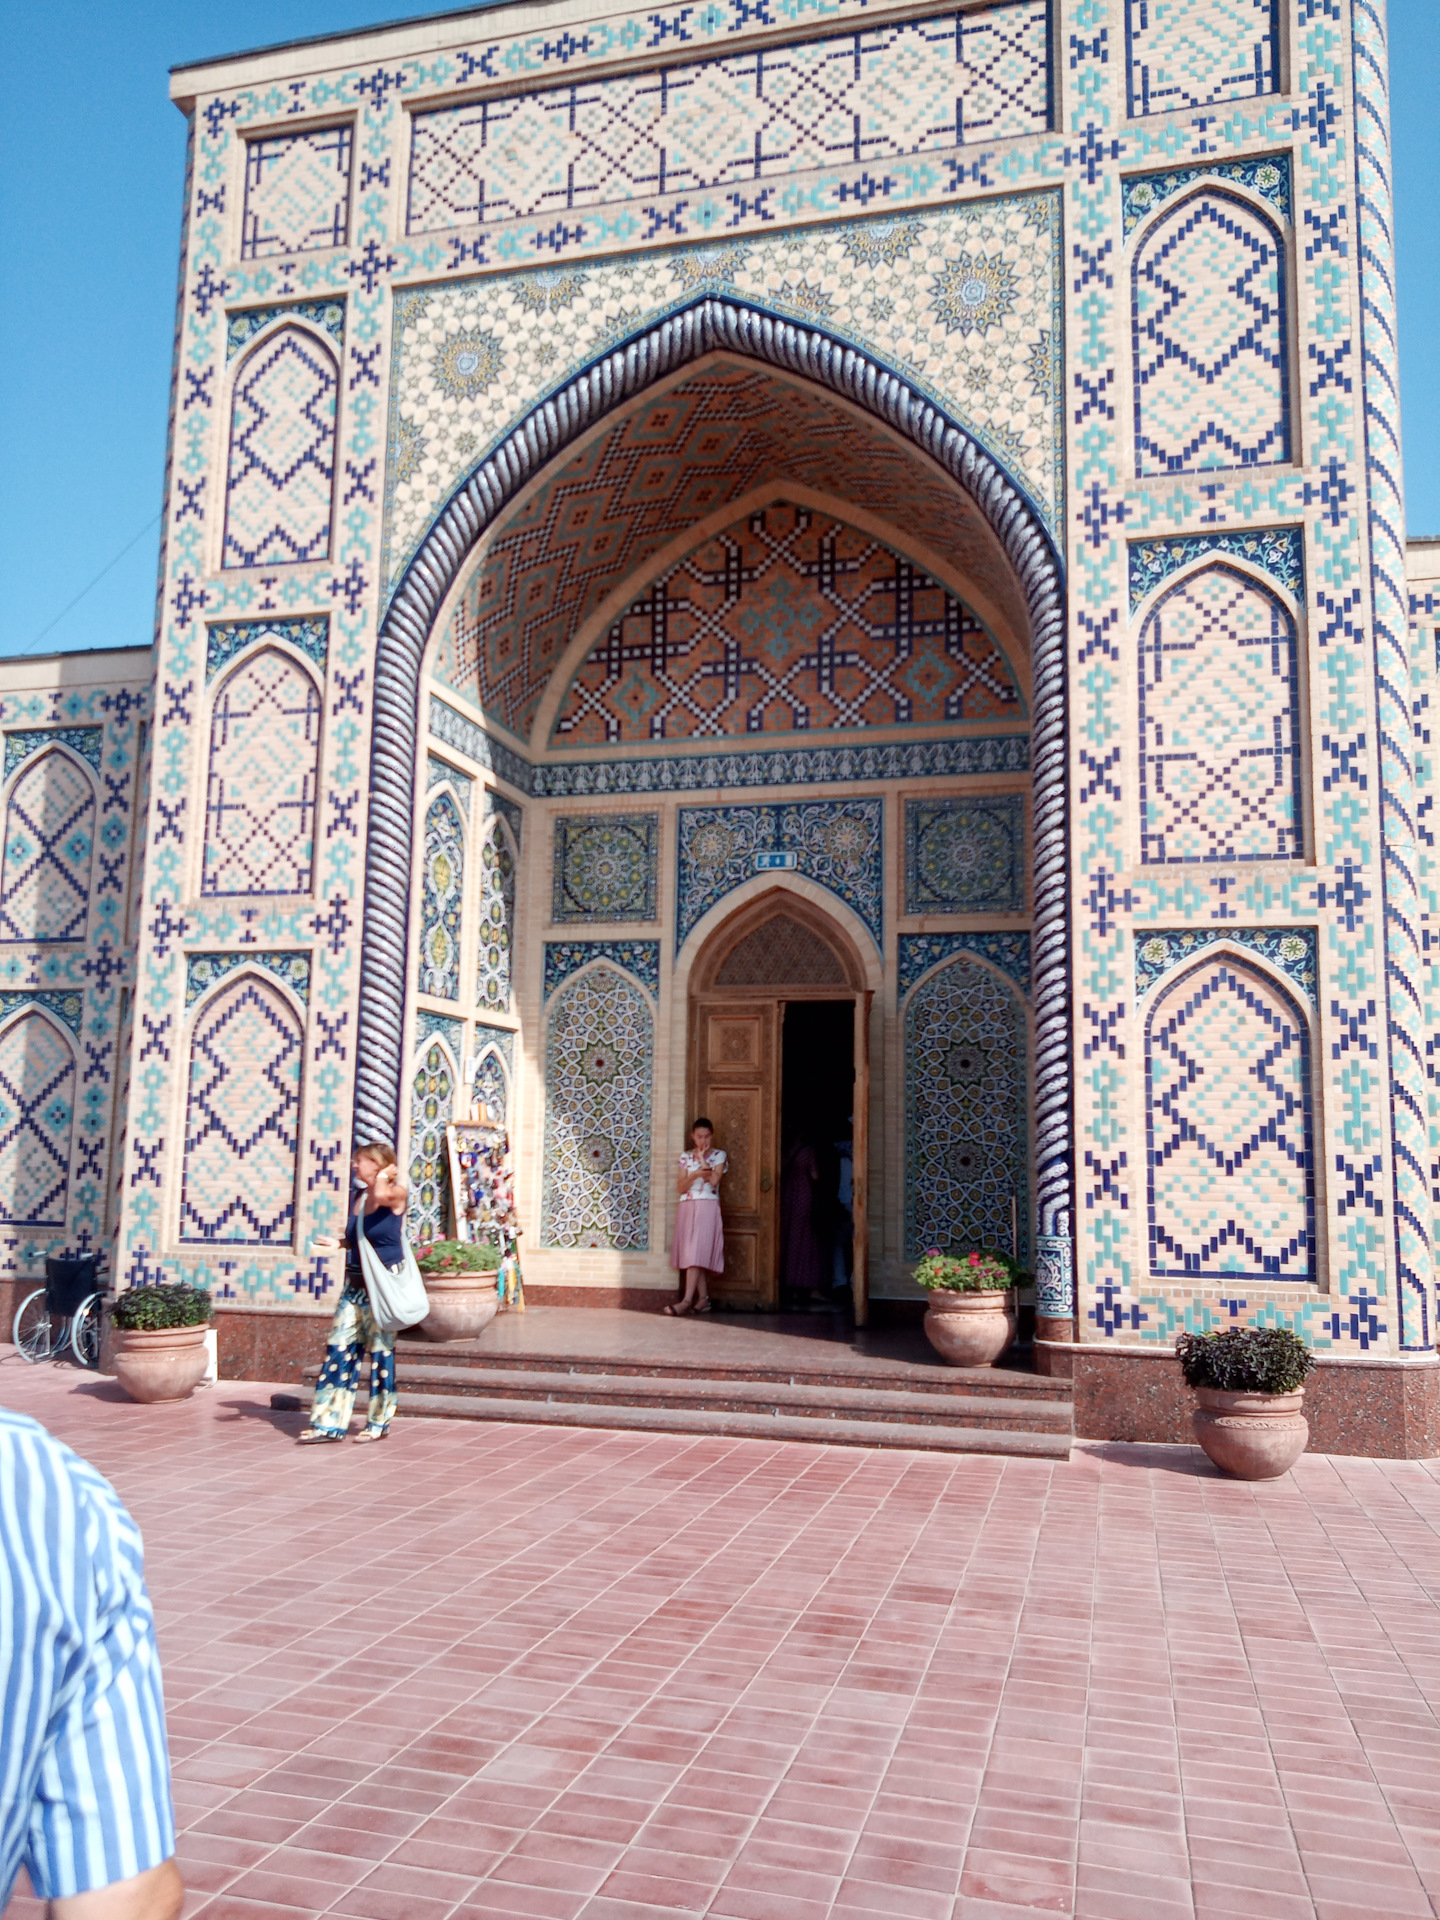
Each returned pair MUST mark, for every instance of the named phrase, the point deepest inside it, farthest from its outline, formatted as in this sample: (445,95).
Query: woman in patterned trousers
(353,1331)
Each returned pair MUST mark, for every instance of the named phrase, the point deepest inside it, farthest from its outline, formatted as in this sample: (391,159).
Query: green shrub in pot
(1249,1397)
(458,1256)
(982,1272)
(155,1309)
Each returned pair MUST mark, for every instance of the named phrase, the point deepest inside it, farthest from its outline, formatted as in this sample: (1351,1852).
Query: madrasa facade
(833,563)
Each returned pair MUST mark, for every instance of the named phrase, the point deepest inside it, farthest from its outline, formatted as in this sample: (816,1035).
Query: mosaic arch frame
(61,751)
(717,323)
(217,684)
(67,1047)
(286,320)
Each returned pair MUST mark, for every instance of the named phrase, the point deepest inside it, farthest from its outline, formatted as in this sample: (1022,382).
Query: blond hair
(380,1151)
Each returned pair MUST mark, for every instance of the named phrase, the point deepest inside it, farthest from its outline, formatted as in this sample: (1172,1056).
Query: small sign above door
(773,862)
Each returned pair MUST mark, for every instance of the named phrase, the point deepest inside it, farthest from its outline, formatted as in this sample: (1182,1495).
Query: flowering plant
(965,1273)
(458,1256)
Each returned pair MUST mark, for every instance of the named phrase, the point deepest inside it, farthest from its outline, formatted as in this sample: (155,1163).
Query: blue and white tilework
(1211,338)
(836,843)
(280,484)
(1198,53)
(919,952)
(1219,723)
(442,898)
(638,957)
(37,1114)
(1229,1140)
(203,970)
(966,1144)
(49,850)
(1276,551)
(599,1045)
(452,335)
(432,1105)
(495,917)
(1292,951)
(226,639)
(263,778)
(606,867)
(25,741)
(876,95)
(439,772)
(965,856)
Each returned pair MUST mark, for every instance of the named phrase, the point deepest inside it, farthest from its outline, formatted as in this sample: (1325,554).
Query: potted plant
(461,1283)
(159,1341)
(970,1319)
(1250,1387)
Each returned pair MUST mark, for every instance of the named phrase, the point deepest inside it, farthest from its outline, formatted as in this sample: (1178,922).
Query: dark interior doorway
(817,1097)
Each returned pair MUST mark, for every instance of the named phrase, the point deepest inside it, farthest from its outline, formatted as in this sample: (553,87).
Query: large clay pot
(167,1364)
(970,1329)
(1255,1436)
(461,1304)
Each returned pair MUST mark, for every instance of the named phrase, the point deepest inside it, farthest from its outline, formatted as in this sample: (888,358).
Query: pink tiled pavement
(528,1673)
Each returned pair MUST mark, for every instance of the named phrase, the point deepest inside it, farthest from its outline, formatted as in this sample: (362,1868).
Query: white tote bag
(397,1294)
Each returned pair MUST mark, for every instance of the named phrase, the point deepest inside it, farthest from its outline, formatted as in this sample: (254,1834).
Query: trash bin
(69,1281)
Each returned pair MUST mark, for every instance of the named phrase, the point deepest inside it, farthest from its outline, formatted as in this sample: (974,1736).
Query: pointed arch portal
(716,324)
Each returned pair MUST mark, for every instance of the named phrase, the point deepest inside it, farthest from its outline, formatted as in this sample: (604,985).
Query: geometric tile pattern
(606,867)
(1196,53)
(1219,723)
(875,95)
(1228,1127)
(495,918)
(68,1008)
(86,741)
(966,1147)
(591,527)
(1212,385)
(638,957)
(242,1117)
(450,1029)
(836,843)
(491,1086)
(442,898)
(37,1104)
(599,1045)
(432,1096)
(49,842)
(965,856)
(263,779)
(438,771)
(282,452)
(783,623)
(919,952)
(297,192)
(963,302)
(1290,950)
(785,767)
(1278,551)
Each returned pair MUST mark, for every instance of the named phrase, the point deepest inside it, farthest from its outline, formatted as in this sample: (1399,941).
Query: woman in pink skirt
(699,1247)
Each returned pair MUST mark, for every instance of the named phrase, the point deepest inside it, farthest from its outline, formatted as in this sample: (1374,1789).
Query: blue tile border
(1293,951)
(1278,551)
(203,970)
(919,952)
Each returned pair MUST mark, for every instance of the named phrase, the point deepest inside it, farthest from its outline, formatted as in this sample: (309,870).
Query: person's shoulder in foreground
(84,1767)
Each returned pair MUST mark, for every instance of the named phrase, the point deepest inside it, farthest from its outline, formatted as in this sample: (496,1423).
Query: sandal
(317,1436)
(372,1433)
(675,1308)
(703,1307)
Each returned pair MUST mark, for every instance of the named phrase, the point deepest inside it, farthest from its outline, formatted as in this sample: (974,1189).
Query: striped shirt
(84,1768)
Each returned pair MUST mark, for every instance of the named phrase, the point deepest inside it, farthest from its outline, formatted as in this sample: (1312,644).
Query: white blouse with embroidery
(700,1188)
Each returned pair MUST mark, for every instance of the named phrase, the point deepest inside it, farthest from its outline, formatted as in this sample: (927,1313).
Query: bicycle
(57,1318)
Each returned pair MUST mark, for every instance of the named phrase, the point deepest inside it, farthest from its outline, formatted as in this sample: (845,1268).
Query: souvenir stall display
(483,1187)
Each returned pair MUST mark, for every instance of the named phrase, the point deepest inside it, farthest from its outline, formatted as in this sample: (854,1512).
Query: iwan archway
(945,457)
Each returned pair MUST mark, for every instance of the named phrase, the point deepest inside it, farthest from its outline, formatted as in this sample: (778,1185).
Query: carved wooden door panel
(736,1081)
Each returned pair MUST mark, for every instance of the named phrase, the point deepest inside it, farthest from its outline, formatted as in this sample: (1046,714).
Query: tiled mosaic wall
(74,745)
(1180,377)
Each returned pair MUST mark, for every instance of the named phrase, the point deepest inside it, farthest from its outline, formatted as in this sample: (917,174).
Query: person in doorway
(803,1249)
(699,1248)
(85,1801)
(382,1199)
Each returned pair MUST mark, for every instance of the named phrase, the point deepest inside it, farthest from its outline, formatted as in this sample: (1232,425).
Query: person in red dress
(699,1245)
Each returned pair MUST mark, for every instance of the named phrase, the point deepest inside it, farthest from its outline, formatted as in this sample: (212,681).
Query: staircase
(937,1409)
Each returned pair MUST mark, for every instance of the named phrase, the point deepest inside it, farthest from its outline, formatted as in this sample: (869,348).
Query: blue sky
(92,156)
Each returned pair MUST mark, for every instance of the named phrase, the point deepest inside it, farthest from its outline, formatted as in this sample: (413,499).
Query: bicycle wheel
(85,1332)
(34,1331)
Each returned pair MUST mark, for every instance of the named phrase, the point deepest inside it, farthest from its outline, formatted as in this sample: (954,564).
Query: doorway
(779,1022)
(817,1110)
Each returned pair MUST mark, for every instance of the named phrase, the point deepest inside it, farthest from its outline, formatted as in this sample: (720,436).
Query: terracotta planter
(461,1304)
(167,1364)
(970,1329)
(1255,1436)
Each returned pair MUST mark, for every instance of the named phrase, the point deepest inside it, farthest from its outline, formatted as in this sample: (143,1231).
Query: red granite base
(1384,1409)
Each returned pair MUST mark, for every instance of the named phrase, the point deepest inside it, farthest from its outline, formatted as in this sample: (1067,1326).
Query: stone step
(769,1398)
(695,1421)
(996,1382)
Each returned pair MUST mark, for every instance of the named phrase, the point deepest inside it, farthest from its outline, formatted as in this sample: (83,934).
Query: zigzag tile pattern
(282,453)
(49,848)
(1196,53)
(242,1118)
(37,1108)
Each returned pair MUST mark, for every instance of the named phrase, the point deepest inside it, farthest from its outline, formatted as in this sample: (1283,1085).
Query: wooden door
(736,1081)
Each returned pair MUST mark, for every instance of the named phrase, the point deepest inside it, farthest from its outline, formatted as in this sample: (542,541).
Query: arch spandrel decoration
(716,324)
(1228,1124)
